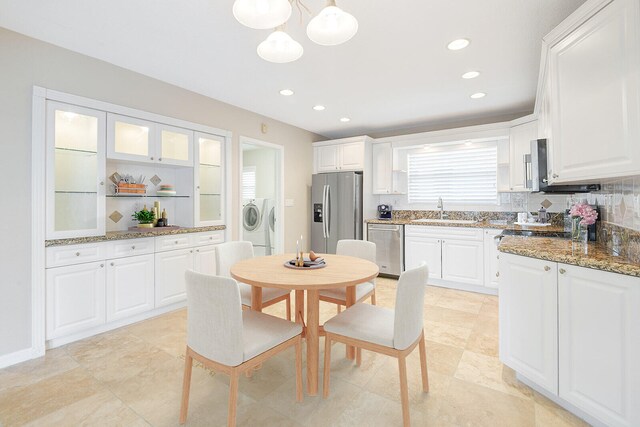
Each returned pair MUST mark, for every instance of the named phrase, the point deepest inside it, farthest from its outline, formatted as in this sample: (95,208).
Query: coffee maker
(384,212)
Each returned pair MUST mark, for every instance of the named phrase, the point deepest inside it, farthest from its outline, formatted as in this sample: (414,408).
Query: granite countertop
(479,224)
(123,235)
(563,250)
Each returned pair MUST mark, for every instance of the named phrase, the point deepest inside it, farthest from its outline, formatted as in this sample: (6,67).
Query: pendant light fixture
(262,14)
(280,48)
(332,26)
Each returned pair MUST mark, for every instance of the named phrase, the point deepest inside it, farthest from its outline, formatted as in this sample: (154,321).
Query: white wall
(26,62)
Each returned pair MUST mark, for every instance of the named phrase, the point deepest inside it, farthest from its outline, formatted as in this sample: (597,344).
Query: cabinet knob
(112,264)
(176,242)
(151,158)
(562,271)
(101,265)
(197,250)
(497,274)
(133,247)
(497,256)
(101,182)
(191,251)
(547,268)
(198,187)
(210,237)
(77,253)
(159,159)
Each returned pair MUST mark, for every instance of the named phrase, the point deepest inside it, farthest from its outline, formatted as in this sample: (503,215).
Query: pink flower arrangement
(584,211)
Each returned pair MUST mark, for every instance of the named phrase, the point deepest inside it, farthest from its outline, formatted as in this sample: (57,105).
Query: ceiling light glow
(332,26)
(286,92)
(345,119)
(262,14)
(280,48)
(318,107)
(458,44)
(478,95)
(471,75)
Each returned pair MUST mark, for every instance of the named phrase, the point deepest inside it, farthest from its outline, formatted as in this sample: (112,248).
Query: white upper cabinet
(139,140)
(520,138)
(209,179)
(593,78)
(339,157)
(382,168)
(75,205)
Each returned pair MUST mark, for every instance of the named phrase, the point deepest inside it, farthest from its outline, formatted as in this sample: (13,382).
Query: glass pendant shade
(262,14)
(332,26)
(280,48)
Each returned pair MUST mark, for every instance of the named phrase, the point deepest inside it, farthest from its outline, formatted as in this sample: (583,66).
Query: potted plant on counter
(144,217)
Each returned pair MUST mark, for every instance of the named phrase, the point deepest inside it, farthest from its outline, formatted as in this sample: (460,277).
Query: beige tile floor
(132,376)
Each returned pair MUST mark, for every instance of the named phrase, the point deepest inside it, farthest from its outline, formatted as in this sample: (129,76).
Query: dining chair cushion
(364,322)
(214,318)
(268,294)
(341,293)
(408,320)
(263,332)
(229,253)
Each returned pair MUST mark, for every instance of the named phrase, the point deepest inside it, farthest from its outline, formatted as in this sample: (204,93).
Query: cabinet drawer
(177,241)
(457,233)
(58,256)
(126,248)
(208,238)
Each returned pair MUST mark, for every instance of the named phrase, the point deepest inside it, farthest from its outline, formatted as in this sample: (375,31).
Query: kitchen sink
(447,221)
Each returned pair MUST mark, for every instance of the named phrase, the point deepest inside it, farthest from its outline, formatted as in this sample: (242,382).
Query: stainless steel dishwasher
(389,240)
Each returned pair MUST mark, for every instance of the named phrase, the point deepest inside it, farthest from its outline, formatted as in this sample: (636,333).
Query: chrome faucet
(441,207)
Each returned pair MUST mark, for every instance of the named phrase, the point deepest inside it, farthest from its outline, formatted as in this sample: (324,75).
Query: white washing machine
(255,225)
(270,218)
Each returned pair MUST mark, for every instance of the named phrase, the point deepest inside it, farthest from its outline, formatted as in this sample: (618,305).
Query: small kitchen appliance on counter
(384,212)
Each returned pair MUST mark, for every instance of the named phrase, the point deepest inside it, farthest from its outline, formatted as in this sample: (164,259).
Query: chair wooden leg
(339,308)
(358,356)
(373,297)
(288,302)
(186,385)
(404,391)
(299,369)
(233,398)
(423,364)
(327,366)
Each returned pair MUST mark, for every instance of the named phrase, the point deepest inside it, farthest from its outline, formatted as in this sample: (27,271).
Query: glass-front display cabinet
(75,186)
(209,178)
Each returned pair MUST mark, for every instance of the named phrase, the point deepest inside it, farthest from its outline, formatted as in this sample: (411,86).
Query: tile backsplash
(620,202)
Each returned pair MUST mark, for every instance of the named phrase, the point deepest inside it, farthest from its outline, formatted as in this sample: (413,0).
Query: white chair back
(214,318)
(229,253)
(357,248)
(408,321)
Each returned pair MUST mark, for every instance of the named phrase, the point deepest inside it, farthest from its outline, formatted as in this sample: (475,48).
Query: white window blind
(249,182)
(457,173)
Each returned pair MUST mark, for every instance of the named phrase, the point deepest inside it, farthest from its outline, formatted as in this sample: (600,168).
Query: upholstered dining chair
(225,338)
(360,249)
(393,333)
(229,253)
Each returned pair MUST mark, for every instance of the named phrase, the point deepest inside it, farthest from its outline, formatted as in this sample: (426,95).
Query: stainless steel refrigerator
(336,206)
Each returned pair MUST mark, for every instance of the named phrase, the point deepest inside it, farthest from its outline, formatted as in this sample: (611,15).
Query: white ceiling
(395,73)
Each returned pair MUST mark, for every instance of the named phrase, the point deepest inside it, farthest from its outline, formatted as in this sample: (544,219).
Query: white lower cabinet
(529,318)
(75,298)
(204,260)
(599,335)
(454,255)
(491,257)
(170,267)
(575,332)
(129,286)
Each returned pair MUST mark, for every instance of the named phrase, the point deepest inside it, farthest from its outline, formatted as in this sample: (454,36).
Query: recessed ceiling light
(318,107)
(286,92)
(478,95)
(458,44)
(345,119)
(471,75)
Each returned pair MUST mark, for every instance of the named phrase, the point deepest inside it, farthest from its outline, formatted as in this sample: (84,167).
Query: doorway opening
(262,195)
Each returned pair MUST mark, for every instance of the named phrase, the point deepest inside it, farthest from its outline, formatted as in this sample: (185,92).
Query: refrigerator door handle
(328,218)
(324,211)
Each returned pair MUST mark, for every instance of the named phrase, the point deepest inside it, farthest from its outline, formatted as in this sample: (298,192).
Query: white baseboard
(19,356)
(462,286)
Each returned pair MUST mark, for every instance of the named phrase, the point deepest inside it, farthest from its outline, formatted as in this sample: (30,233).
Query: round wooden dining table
(340,272)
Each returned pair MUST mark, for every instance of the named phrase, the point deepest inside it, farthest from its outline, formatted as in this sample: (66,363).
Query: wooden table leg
(299,315)
(351,300)
(256,298)
(313,342)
